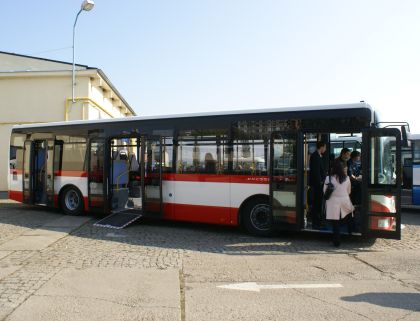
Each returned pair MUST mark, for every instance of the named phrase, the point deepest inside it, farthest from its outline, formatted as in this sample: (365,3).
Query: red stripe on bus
(86,202)
(248,179)
(215,178)
(180,212)
(197,178)
(377,207)
(204,178)
(14,171)
(16,196)
(71,173)
(200,213)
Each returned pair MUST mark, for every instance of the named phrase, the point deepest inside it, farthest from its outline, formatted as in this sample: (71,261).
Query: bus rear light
(383,223)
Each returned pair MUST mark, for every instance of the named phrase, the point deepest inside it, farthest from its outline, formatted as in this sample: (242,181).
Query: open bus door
(38,172)
(285,179)
(27,179)
(382,183)
(151,174)
(97,178)
(135,175)
(49,172)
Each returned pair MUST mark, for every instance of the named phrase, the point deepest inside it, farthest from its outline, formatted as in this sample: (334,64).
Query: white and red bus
(246,168)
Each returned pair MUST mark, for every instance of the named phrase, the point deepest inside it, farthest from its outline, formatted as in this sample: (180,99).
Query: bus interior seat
(120,175)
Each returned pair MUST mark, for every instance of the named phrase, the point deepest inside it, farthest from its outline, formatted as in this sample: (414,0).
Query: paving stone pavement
(148,244)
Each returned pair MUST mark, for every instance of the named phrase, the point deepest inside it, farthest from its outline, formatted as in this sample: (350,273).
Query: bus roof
(205,114)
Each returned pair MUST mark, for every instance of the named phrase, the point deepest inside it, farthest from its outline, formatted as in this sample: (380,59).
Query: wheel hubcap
(261,217)
(72,200)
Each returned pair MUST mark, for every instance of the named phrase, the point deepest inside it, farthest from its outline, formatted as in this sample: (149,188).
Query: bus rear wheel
(257,218)
(71,201)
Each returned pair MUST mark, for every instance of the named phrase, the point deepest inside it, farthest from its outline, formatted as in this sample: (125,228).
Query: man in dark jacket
(354,171)
(317,175)
(344,157)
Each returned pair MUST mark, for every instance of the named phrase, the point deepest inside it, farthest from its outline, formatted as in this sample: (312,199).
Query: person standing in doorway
(355,174)
(317,175)
(339,205)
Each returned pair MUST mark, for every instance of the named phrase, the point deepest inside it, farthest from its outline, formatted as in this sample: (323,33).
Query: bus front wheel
(72,201)
(257,218)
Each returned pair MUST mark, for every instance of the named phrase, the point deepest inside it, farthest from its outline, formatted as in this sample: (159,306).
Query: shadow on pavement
(406,301)
(189,236)
(411,217)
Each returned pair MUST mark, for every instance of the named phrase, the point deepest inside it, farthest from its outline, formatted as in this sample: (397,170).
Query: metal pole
(74,69)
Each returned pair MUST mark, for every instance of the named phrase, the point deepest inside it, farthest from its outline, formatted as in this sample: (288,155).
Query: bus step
(118,220)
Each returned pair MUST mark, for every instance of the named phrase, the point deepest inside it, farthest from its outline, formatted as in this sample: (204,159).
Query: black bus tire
(257,218)
(71,201)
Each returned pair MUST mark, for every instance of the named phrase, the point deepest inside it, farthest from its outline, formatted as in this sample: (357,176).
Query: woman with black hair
(339,205)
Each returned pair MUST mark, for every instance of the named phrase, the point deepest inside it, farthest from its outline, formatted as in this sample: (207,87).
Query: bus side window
(202,152)
(58,155)
(167,155)
(250,157)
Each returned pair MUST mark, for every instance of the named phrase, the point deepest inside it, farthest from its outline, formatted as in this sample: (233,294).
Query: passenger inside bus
(209,164)
(344,156)
(354,171)
(317,174)
(134,165)
(344,148)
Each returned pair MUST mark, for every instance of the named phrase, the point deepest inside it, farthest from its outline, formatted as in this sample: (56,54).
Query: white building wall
(4,155)
(31,97)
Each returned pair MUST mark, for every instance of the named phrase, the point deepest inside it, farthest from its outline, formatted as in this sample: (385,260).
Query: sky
(169,57)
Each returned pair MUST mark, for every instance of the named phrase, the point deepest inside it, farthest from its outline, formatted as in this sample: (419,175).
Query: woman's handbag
(329,190)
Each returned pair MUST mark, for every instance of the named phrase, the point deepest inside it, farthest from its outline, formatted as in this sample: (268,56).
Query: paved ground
(54,267)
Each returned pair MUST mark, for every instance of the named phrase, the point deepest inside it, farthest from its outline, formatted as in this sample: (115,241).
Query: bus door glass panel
(284,178)
(49,179)
(96,180)
(382,182)
(27,179)
(125,174)
(152,175)
(119,173)
(416,172)
(134,184)
(40,171)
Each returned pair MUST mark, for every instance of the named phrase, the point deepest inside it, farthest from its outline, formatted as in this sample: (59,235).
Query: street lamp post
(87,5)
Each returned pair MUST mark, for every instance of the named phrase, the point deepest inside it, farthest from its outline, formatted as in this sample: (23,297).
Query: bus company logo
(257,179)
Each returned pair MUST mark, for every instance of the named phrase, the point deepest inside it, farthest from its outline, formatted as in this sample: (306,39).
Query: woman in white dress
(339,205)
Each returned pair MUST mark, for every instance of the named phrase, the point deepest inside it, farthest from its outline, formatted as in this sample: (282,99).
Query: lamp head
(87,5)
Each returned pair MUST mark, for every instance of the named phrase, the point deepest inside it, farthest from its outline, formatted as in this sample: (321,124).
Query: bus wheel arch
(70,200)
(254,215)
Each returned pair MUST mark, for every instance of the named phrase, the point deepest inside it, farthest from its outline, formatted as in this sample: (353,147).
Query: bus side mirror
(404,136)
